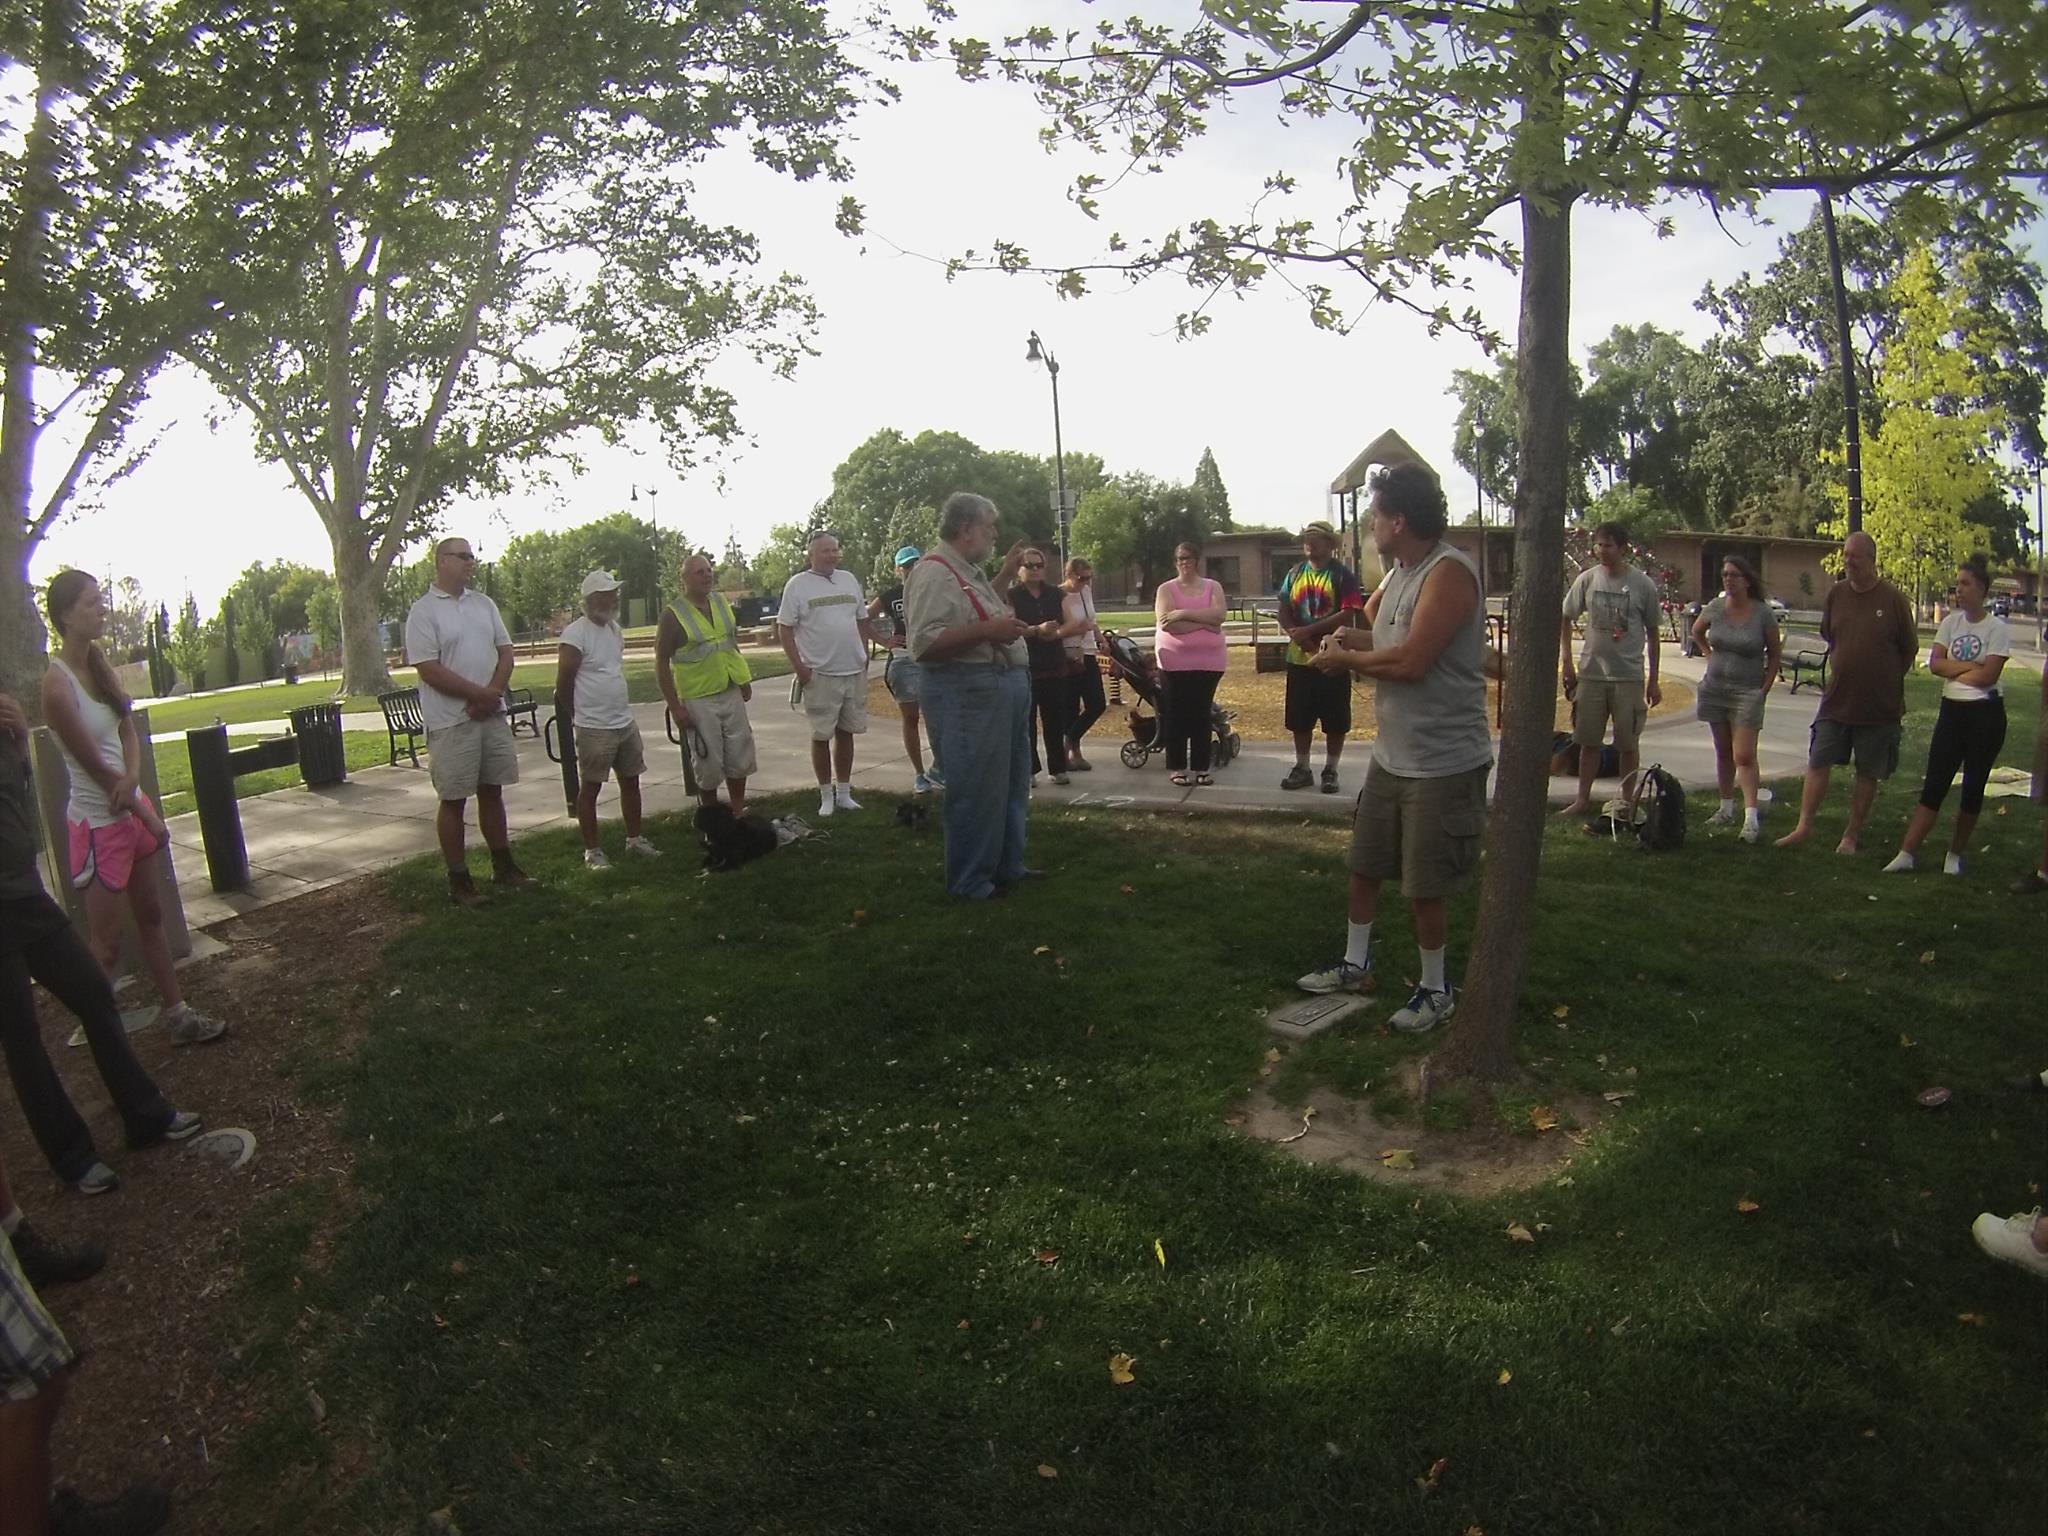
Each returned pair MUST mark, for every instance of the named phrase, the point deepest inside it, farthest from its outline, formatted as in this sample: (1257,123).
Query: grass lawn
(363,749)
(802,1200)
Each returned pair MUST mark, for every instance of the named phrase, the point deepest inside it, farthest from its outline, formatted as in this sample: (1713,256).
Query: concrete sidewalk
(301,840)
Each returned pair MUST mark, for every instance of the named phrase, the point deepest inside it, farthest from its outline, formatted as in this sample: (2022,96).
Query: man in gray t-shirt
(1623,614)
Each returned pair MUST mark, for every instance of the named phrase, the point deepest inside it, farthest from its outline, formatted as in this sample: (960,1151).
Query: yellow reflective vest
(709,660)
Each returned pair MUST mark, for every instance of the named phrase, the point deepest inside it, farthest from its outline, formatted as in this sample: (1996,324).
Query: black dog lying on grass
(729,840)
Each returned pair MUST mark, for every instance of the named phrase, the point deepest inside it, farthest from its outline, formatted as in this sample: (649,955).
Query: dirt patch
(1483,1159)
(157,1398)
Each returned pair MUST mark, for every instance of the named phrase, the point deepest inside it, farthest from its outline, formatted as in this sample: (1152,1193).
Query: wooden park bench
(519,701)
(1804,664)
(402,713)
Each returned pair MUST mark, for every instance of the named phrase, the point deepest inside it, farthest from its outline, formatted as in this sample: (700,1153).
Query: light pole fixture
(1035,351)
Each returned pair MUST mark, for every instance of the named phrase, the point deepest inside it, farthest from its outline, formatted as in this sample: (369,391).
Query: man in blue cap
(901,671)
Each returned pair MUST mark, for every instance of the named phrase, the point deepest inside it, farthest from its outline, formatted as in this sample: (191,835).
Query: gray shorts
(1731,706)
(1598,702)
(1875,748)
(836,702)
(1426,833)
(720,738)
(601,750)
(469,753)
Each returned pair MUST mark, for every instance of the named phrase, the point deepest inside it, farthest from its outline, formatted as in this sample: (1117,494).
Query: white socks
(1357,943)
(1901,864)
(1753,817)
(1433,969)
(1728,809)
(1952,864)
(843,793)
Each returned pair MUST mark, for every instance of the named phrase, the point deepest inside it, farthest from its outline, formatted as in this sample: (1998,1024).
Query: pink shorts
(108,854)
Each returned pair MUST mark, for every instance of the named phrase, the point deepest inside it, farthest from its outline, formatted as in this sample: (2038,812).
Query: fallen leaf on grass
(1746,1205)
(1120,1370)
(1128,890)
(1235,1117)
(1273,1054)
(1306,1116)
(1429,1480)
(457,1267)
(1618,1097)
(1561,1011)
(1046,1256)
(742,1119)
(1397,1157)
(1542,1117)
(1043,949)
(1505,1377)
(1046,1470)
(1841,976)
(1621,1327)
(1159,1249)
(1974,1319)
(1579,1138)
(1520,1233)
(1927,957)
(1906,1042)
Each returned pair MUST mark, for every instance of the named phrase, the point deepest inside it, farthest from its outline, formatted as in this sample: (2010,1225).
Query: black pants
(1049,709)
(1967,735)
(38,942)
(1184,704)
(1084,686)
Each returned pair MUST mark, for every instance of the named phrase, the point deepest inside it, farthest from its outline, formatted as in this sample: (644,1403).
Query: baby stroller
(1127,664)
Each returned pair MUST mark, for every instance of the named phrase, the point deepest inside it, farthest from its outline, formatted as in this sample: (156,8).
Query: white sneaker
(842,796)
(644,848)
(826,804)
(1752,831)
(2011,1238)
(1339,976)
(1724,817)
(1426,1009)
(1952,864)
(594,858)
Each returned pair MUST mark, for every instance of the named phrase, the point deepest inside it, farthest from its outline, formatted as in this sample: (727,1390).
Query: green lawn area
(363,749)
(732,1204)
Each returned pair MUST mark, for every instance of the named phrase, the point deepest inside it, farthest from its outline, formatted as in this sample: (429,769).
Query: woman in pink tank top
(1189,646)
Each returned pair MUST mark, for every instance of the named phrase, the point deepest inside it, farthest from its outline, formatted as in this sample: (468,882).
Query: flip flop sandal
(1179,778)
(1203,779)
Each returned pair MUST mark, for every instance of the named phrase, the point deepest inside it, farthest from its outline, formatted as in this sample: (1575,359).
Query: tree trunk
(1852,468)
(1481,1041)
(362,597)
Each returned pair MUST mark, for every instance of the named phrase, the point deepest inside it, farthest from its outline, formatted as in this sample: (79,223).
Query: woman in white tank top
(116,834)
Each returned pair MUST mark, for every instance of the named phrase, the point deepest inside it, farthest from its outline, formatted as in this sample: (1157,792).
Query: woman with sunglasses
(1189,646)
(1040,608)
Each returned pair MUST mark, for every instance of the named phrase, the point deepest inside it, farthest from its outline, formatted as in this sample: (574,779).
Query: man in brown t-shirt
(1872,638)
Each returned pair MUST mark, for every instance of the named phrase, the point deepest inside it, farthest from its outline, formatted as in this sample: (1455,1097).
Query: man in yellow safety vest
(707,683)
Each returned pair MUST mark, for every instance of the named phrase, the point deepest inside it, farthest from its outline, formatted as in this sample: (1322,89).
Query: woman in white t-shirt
(1969,653)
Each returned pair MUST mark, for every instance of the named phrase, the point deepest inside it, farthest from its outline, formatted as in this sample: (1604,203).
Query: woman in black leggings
(1969,653)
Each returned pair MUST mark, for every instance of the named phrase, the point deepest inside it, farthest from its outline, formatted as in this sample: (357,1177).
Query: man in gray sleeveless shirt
(1422,813)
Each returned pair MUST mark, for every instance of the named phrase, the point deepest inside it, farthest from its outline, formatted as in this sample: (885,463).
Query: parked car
(1779,612)
(2001,606)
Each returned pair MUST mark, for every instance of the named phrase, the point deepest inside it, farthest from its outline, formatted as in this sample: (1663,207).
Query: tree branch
(107,426)
(293,455)
(1634,96)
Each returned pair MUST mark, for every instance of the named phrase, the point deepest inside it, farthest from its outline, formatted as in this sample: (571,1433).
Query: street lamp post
(1036,352)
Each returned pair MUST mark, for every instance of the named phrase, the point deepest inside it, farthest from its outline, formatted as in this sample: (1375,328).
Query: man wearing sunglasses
(457,642)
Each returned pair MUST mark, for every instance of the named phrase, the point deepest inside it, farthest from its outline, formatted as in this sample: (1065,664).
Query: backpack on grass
(1661,800)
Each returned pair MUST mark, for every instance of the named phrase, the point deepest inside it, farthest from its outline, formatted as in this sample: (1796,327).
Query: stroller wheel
(1133,753)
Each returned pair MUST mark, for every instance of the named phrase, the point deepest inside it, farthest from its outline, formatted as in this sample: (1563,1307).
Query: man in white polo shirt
(462,651)
(824,628)
(590,688)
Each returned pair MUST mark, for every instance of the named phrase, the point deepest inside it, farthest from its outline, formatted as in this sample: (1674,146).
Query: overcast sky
(954,166)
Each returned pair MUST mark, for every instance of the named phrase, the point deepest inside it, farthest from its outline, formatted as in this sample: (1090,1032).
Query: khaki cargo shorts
(1426,833)
(469,753)
(720,738)
(1599,702)
(604,750)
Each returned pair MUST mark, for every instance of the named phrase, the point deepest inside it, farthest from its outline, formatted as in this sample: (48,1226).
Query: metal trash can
(322,759)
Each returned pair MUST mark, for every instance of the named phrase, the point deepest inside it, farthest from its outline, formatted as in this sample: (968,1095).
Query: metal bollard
(668,722)
(560,740)
(220,821)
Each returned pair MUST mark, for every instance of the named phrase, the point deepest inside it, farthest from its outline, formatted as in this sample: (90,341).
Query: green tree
(1209,485)
(1467,108)
(291,601)
(1933,461)
(890,475)
(189,644)
(483,240)
(323,614)
(784,554)
(1136,520)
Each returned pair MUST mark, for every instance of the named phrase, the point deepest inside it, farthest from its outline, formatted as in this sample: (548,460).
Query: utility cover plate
(231,1147)
(1306,1019)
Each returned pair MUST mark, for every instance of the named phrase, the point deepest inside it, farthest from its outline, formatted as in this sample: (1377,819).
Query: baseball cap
(1319,526)
(600,581)
(906,555)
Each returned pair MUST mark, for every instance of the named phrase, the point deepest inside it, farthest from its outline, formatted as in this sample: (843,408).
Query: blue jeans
(980,719)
